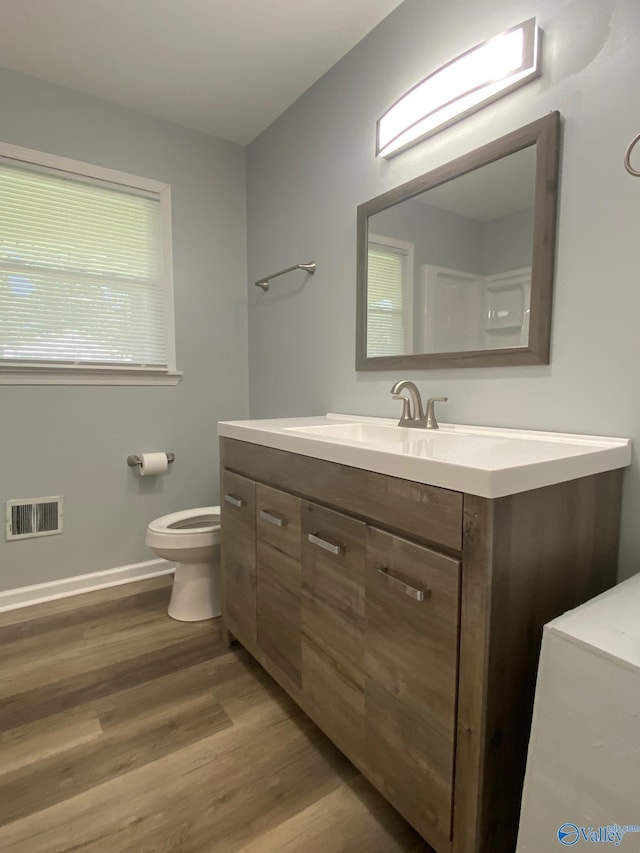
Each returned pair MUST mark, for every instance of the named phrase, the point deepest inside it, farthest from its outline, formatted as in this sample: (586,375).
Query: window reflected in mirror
(390,296)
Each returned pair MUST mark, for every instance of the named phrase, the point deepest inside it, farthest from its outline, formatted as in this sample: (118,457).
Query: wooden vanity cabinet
(406,620)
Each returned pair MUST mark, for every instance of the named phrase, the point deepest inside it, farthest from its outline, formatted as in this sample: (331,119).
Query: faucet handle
(432,423)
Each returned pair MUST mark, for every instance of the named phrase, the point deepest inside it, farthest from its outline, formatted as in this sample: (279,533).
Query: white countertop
(485,461)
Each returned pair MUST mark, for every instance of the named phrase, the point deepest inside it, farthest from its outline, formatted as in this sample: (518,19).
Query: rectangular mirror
(455,268)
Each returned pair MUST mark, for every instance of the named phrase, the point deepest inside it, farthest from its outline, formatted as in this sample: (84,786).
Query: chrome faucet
(412,412)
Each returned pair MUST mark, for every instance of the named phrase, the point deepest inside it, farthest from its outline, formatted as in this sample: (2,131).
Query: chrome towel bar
(627,157)
(310,267)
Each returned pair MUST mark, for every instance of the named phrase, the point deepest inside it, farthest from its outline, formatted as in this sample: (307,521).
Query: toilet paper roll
(153,463)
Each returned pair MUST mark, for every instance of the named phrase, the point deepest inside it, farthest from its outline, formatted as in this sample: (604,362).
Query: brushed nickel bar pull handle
(411,591)
(272,518)
(234,500)
(332,547)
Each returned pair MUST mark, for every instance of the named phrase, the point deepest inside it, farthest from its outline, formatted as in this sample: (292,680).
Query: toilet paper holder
(134,459)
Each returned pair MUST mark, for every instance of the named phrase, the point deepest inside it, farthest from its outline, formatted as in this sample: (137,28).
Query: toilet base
(196,592)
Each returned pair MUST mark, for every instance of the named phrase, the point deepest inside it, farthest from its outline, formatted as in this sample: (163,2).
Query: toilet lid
(204,519)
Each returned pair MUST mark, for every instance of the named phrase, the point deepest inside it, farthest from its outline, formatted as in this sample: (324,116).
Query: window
(86,291)
(389,297)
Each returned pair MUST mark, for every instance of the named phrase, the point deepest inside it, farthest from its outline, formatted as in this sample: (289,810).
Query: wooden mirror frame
(545,135)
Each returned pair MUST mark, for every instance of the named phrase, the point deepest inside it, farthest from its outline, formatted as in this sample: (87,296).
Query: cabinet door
(278,579)
(239,555)
(411,662)
(333,559)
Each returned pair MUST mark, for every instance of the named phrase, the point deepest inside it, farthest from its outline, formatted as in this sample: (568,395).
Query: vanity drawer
(278,520)
(411,666)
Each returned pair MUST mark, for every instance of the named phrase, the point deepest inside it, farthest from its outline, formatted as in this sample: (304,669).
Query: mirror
(455,268)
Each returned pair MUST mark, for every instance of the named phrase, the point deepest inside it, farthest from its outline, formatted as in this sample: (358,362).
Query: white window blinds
(388,315)
(82,278)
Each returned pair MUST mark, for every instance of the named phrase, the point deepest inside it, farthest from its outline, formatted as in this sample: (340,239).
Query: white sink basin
(363,432)
(487,461)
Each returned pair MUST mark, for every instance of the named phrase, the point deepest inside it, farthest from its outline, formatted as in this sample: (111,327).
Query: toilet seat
(189,528)
(204,519)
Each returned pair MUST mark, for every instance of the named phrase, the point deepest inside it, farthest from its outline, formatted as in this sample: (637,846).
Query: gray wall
(459,242)
(311,168)
(74,440)
(440,237)
(507,242)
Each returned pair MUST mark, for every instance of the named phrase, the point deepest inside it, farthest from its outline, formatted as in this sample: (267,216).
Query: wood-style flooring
(122,730)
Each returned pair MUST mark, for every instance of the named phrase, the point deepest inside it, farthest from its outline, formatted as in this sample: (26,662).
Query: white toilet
(191,539)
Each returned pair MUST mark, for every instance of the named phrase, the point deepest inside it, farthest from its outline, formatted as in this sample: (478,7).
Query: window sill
(81,375)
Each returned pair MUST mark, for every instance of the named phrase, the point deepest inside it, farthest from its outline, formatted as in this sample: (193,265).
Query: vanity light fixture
(462,86)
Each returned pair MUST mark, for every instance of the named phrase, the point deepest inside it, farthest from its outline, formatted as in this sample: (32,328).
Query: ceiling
(498,189)
(224,67)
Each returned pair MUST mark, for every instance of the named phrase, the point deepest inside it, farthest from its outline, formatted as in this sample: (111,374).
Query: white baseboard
(25,596)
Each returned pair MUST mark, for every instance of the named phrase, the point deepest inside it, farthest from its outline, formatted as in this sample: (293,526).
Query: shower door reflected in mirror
(455,268)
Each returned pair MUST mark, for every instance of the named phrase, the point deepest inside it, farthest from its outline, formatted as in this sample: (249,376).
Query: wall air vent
(34,517)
